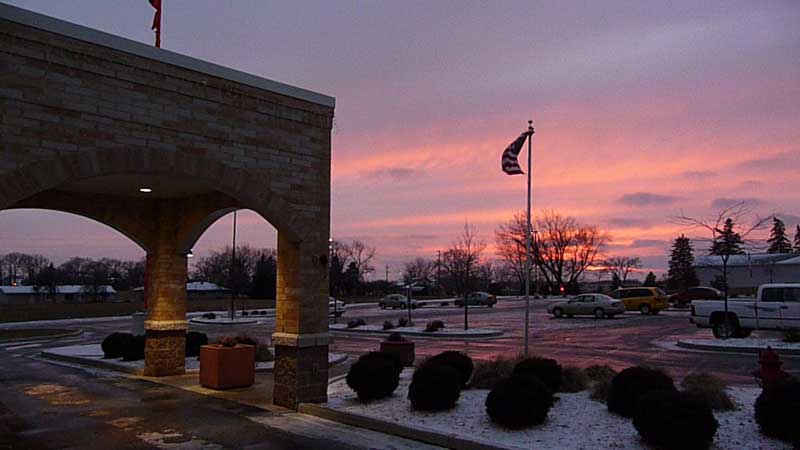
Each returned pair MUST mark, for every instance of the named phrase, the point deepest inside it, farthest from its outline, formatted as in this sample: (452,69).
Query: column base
(300,375)
(165,353)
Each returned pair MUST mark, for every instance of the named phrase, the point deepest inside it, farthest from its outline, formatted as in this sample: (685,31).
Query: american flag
(510,163)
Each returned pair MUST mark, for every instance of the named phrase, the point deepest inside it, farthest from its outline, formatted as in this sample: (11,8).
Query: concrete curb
(247,321)
(739,349)
(422,334)
(42,338)
(418,434)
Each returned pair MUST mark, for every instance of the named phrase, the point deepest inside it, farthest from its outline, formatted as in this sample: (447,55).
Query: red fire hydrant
(770,371)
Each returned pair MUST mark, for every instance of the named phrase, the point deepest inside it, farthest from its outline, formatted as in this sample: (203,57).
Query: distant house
(30,295)
(747,272)
(198,290)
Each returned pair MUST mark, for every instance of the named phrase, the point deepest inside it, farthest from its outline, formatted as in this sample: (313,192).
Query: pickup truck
(776,307)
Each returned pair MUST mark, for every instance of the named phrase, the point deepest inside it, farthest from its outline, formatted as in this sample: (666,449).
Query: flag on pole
(157,21)
(510,162)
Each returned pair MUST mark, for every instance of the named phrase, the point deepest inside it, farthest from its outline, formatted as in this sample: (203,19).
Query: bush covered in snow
(114,344)
(194,341)
(673,420)
(375,375)
(710,388)
(600,372)
(573,379)
(778,410)
(434,325)
(388,325)
(134,349)
(403,322)
(548,371)
(487,373)
(355,323)
(434,387)
(519,401)
(459,361)
(632,383)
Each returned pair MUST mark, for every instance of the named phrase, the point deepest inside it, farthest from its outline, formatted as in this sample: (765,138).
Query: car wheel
(557,312)
(599,313)
(743,333)
(723,329)
(645,309)
(655,312)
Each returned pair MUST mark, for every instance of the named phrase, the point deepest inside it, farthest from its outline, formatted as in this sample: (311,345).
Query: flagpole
(528,243)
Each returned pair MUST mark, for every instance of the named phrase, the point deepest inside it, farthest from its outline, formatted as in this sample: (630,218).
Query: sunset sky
(642,110)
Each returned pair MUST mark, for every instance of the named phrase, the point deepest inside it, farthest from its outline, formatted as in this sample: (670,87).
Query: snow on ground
(575,421)
(749,343)
(418,330)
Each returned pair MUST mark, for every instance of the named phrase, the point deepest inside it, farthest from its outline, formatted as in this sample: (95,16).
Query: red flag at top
(157,21)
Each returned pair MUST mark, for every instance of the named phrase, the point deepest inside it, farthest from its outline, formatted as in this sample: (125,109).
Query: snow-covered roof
(61,289)
(195,286)
(752,259)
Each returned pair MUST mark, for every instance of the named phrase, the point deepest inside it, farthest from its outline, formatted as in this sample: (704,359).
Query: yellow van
(647,300)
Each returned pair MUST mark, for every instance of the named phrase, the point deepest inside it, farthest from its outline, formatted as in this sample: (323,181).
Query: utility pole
(233,270)
(439,270)
(387,274)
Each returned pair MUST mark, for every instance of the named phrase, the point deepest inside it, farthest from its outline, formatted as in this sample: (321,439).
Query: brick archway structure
(89,118)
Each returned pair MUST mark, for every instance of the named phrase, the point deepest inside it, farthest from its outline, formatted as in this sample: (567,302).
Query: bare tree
(728,236)
(509,240)
(565,248)
(420,270)
(622,266)
(461,262)
(361,254)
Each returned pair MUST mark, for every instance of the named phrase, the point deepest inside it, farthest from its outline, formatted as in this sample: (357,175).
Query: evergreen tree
(650,280)
(727,242)
(797,240)
(615,282)
(681,274)
(265,278)
(778,242)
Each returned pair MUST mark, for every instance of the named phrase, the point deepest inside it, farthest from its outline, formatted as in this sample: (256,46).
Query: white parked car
(597,305)
(776,307)
(336,307)
(395,301)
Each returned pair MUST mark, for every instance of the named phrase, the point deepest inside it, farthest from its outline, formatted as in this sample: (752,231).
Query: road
(45,405)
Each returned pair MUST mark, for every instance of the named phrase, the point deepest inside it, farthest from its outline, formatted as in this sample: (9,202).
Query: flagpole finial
(530,126)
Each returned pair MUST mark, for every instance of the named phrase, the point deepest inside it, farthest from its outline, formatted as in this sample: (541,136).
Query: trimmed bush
(777,412)
(573,379)
(193,342)
(631,384)
(433,326)
(791,336)
(395,337)
(459,361)
(209,316)
(434,387)
(487,373)
(134,349)
(264,353)
(355,323)
(548,371)
(673,420)
(403,322)
(375,375)
(518,402)
(600,390)
(710,388)
(245,313)
(388,325)
(600,372)
(114,344)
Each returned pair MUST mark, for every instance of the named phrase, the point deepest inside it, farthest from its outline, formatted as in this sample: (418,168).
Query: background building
(30,295)
(747,272)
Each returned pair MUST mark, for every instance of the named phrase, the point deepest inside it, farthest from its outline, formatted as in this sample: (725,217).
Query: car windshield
(603,298)
(660,291)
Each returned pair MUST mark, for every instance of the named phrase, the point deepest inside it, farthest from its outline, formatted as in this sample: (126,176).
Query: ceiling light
(145,190)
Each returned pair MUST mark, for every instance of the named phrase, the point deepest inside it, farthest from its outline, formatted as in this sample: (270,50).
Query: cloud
(779,162)
(788,219)
(394,173)
(647,199)
(699,174)
(727,202)
(628,222)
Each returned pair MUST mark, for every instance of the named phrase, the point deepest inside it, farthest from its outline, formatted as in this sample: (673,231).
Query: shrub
(245,313)
(487,373)
(777,413)
(710,388)
(355,323)
(673,420)
(600,372)
(433,326)
(444,303)
(193,342)
(631,384)
(548,371)
(573,379)
(114,344)
(209,316)
(388,325)
(791,336)
(246,340)
(134,349)
(264,353)
(600,390)
(263,312)
(434,387)
(519,401)
(395,337)
(375,375)
(403,322)
(459,361)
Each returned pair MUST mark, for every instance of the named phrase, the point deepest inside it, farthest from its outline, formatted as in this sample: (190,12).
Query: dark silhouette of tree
(681,274)
(419,270)
(797,240)
(778,240)
(650,280)
(461,261)
(616,283)
(621,266)
(266,276)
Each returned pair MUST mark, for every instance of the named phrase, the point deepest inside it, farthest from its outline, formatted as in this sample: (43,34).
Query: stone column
(301,328)
(165,350)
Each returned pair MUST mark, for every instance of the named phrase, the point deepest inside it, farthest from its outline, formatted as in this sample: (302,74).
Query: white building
(197,290)
(747,272)
(29,295)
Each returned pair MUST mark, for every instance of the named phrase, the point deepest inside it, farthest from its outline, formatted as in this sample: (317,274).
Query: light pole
(330,259)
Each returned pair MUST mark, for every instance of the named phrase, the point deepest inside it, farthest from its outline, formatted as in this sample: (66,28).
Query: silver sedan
(597,305)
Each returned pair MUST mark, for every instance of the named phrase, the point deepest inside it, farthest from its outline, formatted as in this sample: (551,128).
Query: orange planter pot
(227,367)
(403,349)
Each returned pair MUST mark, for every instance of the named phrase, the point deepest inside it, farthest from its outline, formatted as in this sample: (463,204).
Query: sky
(642,110)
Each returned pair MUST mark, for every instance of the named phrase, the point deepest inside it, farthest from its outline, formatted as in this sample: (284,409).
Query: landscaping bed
(746,345)
(574,422)
(419,331)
